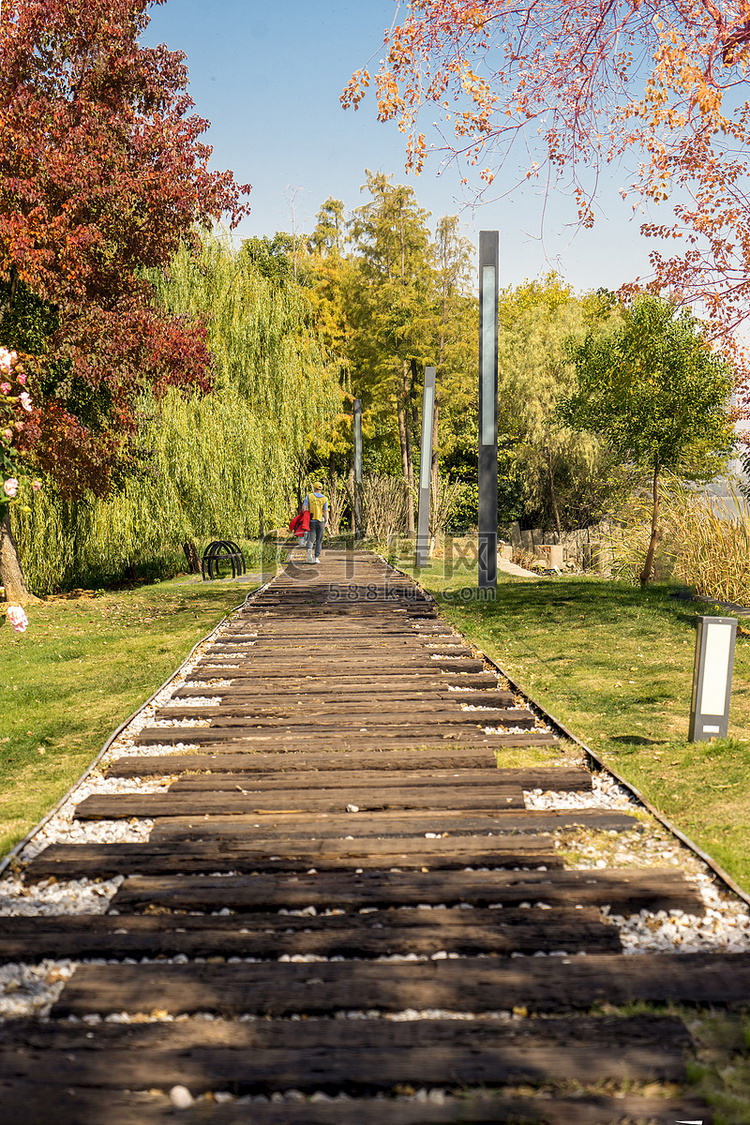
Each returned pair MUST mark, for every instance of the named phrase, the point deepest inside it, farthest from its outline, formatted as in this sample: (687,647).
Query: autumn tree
(557,89)
(102,173)
(658,395)
(392,313)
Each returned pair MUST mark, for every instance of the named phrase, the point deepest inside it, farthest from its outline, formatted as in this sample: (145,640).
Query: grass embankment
(614,664)
(85,663)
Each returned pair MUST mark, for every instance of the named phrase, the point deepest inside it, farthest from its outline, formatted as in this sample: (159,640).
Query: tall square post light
(425,467)
(489,252)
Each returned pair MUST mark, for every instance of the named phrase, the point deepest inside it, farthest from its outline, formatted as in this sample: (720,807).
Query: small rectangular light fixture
(712,678)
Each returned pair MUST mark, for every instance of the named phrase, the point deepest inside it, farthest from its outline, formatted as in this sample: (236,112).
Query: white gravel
(606,793)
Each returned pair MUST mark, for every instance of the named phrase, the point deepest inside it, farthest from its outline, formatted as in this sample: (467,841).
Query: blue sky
(269,76)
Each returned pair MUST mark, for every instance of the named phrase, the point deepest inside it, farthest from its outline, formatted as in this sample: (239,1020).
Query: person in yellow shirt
(317,505)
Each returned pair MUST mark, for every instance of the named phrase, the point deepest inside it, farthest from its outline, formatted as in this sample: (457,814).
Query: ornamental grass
(704,542)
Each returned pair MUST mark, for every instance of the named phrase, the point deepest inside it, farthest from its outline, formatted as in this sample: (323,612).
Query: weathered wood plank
(424,932)
(78,861)
(363,779)
(301,716)
(364,670)
(308,769)
(383,739)
(395,824)
(20,1036)
(426,692)
(419,680)
(625,891)
(543,985)
(367,1069)
(210,803)
(361,1057)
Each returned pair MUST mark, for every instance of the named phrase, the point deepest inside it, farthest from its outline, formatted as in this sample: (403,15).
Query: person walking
(317,505)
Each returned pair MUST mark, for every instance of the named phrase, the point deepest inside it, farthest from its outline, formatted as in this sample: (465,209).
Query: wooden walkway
(342,895)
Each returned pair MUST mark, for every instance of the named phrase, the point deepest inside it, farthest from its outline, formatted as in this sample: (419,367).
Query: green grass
(614,664)
(82,667)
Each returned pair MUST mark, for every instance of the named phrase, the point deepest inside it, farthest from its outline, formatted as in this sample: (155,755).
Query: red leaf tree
(102,174)
(557,88)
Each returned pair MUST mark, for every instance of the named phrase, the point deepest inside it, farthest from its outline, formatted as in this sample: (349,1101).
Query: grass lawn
(614,664)
(82,667)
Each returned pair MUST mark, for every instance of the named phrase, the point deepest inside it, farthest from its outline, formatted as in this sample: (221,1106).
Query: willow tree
(266,351)
(219,465)
(555,475)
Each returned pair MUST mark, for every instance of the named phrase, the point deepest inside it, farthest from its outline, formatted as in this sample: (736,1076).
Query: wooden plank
(624,891)
(419,680)
(469,737)
(365,1056)
(538,984)
(292,826)
(18,1037)
(342,650)
(297,761)
(295,715)
(211,803)
(366,1069)
(308,768)
(495,932)
(319,666)
(358,780)
(78,861)
(281,692)
(29,1103)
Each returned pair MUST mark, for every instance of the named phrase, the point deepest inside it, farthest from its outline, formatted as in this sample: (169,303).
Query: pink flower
(8,435)
(21,378)
(5,359)
(5,388)
(10,486)
(26,402)
(36,485)
(17,618)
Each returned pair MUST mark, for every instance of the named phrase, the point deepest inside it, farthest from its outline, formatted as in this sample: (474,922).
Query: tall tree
(393,316)
(455,321)
(102,173)
(658,394)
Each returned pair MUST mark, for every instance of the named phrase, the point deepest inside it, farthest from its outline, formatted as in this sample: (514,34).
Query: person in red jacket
(317,505)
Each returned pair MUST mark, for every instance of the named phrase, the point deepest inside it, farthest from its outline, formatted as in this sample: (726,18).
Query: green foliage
(552,475)
(218,466)
(658,395)
(655,391)
(704,542)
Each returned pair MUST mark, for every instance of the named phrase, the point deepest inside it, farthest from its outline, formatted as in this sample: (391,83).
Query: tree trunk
(645,575)
(11,574)
(192,556)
